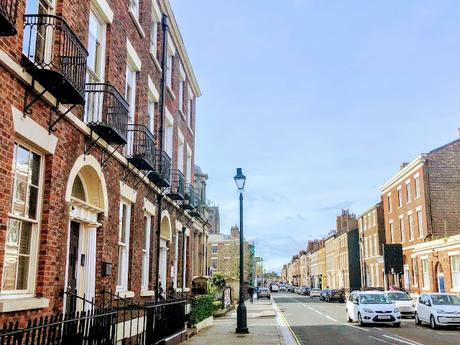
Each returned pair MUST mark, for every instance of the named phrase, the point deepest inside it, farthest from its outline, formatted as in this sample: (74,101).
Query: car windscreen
(398,296)
(374,299)
(263,289)
(316,290)
(445,300)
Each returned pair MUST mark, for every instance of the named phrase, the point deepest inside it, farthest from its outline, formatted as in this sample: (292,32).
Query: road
(320,323)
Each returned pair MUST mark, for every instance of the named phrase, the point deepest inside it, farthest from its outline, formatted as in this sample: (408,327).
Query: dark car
(263,293)
(335,295)
(323,294)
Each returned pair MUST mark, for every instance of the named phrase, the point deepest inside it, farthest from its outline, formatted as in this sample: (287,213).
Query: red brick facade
(73,136)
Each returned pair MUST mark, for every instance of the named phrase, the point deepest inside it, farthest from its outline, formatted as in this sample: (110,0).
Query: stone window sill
(125,294)
(137,24)
(146,293)
(155,61)
(171,93)
(18,304)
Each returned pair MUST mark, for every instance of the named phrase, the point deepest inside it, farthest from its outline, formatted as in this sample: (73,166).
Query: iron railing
(113,321)
(142,154)
(196,212)
(55,57)
(8,15)
(191,197)
(177,189)
(161,175)
(107,112)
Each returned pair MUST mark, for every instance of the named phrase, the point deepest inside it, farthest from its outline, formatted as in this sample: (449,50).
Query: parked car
(263,293)
(369,307)
(323,294)
(303,290)
(335,295)
(291,288)
(274,288)
(438,309)
(403,301)
(282,287)
(315,292)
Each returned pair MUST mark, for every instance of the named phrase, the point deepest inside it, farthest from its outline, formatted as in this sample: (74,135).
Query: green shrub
(217,304)
(202,308)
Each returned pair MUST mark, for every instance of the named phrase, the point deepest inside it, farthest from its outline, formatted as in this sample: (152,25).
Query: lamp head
(240,179)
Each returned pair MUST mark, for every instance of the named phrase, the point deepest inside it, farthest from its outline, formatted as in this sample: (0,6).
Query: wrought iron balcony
(107,113)
(177,189)
(191,197)
(8,15)
(161,175)
(55,57)
(142,154)
(196,212)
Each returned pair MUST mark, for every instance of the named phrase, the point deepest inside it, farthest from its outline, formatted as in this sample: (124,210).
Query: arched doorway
(439,274)
(87,197)
(165,238)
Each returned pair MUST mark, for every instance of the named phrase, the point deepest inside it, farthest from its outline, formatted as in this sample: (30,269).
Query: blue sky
(319,102)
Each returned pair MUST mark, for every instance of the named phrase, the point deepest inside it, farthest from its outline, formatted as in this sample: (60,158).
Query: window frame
(455,275)
(420,223)
(123,287)
(35,228)
(145,268)
(425,273)
(216,247)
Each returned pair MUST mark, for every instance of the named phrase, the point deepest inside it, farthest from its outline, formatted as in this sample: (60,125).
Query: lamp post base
(241,319)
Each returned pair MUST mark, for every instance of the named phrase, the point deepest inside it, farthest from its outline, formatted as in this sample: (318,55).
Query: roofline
(369,209)
(420,159)
(444,146)
(179,42)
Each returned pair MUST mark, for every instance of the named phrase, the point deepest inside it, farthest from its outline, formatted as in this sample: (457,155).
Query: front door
(441,287)
(72,269)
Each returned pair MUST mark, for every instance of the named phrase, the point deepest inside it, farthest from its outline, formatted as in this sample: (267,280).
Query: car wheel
(433,322)
(418,322)
(348,317)
(397,324)
(360,320)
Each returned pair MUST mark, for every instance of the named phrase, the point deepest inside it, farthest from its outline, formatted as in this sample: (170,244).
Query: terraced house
(422,212)
(98,187)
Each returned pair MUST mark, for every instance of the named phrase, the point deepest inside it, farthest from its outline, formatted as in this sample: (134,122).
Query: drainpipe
(165,26)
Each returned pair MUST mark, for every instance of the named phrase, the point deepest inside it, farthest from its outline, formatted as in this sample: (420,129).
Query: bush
(202,308)
(217,305)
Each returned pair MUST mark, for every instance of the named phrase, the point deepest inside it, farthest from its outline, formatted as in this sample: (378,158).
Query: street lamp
(241,315)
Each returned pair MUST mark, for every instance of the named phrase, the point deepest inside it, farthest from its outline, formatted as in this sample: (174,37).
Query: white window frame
(421,232)
(390,206)
(170,56)
(455,272)
(130,96)
(426,273)
(123,263)
(400,197)
(392,232)
(168,138)
(410,221)
(376,252)
(134,8)
(145,271)
(402,229)
(417,186)
(180,151)
(176,258)
(189,165)
(35,232)
(184,277)
(182,85)
(415,271)
(156,20)
(190,100)
(215,260)
(214,248)
(408,192)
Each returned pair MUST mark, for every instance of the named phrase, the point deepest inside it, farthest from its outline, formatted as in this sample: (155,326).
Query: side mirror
(355,302)
(428,304)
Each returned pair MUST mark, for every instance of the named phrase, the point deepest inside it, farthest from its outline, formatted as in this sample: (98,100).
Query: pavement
(265,325)
(314,322)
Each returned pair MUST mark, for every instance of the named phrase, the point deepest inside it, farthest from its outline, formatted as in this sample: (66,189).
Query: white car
(403,301)
(369,307)
(315,292)
(438,309)
(275,288)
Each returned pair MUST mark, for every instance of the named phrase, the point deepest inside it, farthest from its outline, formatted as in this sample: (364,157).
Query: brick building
(422,212)
(97,111)
(371,238)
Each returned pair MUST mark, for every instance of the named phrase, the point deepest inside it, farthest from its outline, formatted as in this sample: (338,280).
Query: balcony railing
(196,212)
(161,175)
(177,189)
(107,112)
(8,15)
(142,154)
(191,197)
(55,57)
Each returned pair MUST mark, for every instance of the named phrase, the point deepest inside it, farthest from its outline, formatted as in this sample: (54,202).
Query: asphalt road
(319,323)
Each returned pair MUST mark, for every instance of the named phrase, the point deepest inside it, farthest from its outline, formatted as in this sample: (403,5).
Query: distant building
(214,219)
(259,271)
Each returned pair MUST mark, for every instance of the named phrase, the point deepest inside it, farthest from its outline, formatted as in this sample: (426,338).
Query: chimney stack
(403,165)
(235,231)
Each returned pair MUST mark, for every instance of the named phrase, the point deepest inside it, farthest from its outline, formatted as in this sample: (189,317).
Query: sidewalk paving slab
(262,325)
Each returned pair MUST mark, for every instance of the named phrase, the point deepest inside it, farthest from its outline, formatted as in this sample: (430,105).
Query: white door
(163,264)
(406,278)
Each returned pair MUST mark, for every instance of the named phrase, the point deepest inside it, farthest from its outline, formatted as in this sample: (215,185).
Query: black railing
(196,211)
(177,189)
(142,154)
(115,320)
(107,112)
(55,56)
(191,197)
(8,15)
(161,175)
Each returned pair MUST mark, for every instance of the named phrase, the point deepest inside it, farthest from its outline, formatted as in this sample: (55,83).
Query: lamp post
(241,315)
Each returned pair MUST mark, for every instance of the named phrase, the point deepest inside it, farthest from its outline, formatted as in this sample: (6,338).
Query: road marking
(290,338)
(405,341)
(378,328)
(378,339)
(330,318)
(315,310)
(356,327)
(413,341)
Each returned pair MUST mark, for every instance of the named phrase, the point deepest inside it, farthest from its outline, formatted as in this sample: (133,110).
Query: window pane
(35,169)
(26,235)
(12,237)
(78,191)
(33,202)
(23,273)
(19,196)
(9,272)
(120,265)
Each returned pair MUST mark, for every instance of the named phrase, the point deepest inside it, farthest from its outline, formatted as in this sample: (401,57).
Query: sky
(319,102)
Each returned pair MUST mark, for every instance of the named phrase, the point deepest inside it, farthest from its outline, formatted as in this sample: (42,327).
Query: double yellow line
(297,340)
